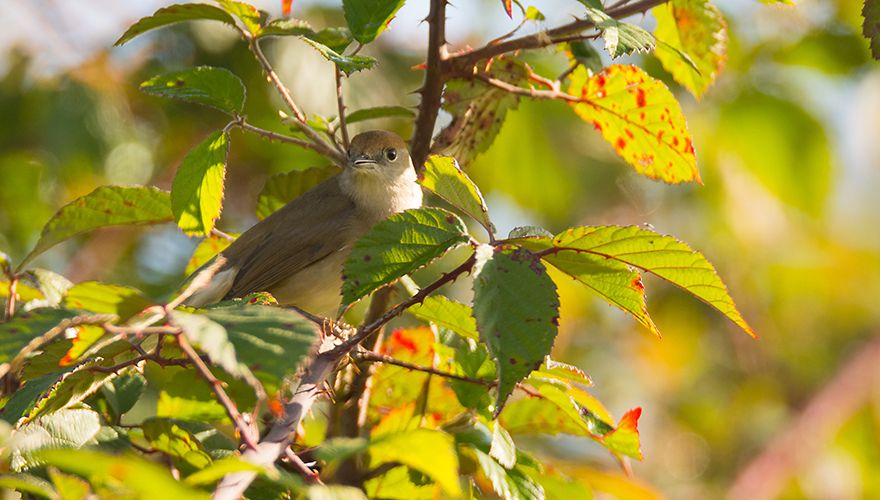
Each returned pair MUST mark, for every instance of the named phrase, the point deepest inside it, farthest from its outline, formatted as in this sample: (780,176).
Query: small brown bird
(297,253)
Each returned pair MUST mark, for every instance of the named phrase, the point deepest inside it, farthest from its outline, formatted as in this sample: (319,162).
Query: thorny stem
(432,90)
(340,104)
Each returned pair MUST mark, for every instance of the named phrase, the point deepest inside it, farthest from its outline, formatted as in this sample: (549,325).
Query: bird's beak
(363,161)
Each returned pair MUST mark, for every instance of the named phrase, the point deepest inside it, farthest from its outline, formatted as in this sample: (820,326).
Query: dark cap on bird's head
(377,148)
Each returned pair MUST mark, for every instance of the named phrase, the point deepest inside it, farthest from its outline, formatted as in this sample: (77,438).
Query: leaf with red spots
(696,28)
(517,313)
(398,246)
(614,281)
(640,117)
(658,254)
(478,110)
(197,190)
(105,206)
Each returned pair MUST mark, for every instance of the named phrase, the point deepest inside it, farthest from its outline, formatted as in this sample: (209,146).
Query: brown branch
(148,357)
(217,386)
(10,299)
(465,60)
(310,475)
(318,144)
(436,74)
(340,104)
(373,357)
(274,136)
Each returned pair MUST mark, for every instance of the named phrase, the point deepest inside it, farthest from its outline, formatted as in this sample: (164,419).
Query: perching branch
(340,104)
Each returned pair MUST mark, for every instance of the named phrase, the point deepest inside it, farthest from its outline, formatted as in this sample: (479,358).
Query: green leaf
(23,291)
(447,313)
(215,87)
(658,254)
(533,14)
(24,327)
(175,14)
(528,232)
(211,338)
(124,391)
(219,469)
(379,112)
(340,448)
(696,28)
(184,395)
(502,449)
(281,189)
(871,27)
(105,206)
(97,297)
(286,27)
(620,38)
(478,110)
(368,18)
(252,18)
(614,281)
(562,371)
(336,39)
(52,285)
(26,483)
(640,117)
(584,53)
(428,451)
(517,314)
(346,64)
(127,473)
(197,190)
(62,429)
(397,246)
(183,447)
(509,484)
(272,342)
(206,250)
(624,439)
(334,492)
(443,177)
(69,487)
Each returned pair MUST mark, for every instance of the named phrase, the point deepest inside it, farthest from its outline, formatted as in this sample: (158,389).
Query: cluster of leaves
(118,377)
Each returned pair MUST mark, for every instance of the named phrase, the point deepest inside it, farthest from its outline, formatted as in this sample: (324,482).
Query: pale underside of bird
(298,252)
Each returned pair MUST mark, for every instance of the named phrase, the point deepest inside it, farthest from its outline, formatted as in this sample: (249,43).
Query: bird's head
(378,154)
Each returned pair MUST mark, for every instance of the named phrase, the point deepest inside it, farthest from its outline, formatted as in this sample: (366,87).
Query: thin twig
(274,136)
(310,475)
(217,386)
(530,92)
(465,60)
(432,90)
(10,300)
(318,144)
(340,104)
(201,280)
(373,357)
(149,357)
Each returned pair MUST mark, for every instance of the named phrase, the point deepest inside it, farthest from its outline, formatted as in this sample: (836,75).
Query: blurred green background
(788,144)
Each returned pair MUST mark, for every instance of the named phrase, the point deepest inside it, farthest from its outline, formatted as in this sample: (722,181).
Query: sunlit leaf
(533,14)
(184,395)
(175,14)
(478,110)
(871,27)
(206,85)
(281,189)
(183,447)
(137,475)
(624,439)
(286,27)
(26,483)
(105,206)
(429,451)
(447,313)
(97,297)
(368,18)
(696,28)
(69,486)
(346,64)
(197,190)
(26,327)
(252,18)
(517,313)
(334,492)
(397,246)
(621,38)
(62,429)
(23,291)
(640,117)
(206,250)
(124,391)
(661,255)
(219,469)
(509,484)
(442,176)
(502,449)
(379,112)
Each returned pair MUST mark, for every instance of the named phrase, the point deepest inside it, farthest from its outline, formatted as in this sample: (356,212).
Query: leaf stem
(373,357)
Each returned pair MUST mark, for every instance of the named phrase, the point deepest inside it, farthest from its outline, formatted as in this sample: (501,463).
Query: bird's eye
(391,154)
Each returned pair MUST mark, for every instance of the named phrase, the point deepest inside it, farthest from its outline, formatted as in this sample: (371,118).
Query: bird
(298,252)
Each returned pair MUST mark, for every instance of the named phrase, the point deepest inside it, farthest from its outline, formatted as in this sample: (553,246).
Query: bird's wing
(291,239)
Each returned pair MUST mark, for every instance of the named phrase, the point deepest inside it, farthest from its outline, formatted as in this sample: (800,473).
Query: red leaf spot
(620,144)
(118,471)
(640,97)
(367,258)
(600,80)
(642,116)
(688,146)
(629,133)
(660,135)
(400,339)
(637,284)
(513,361)
(675,141)
(597,125)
